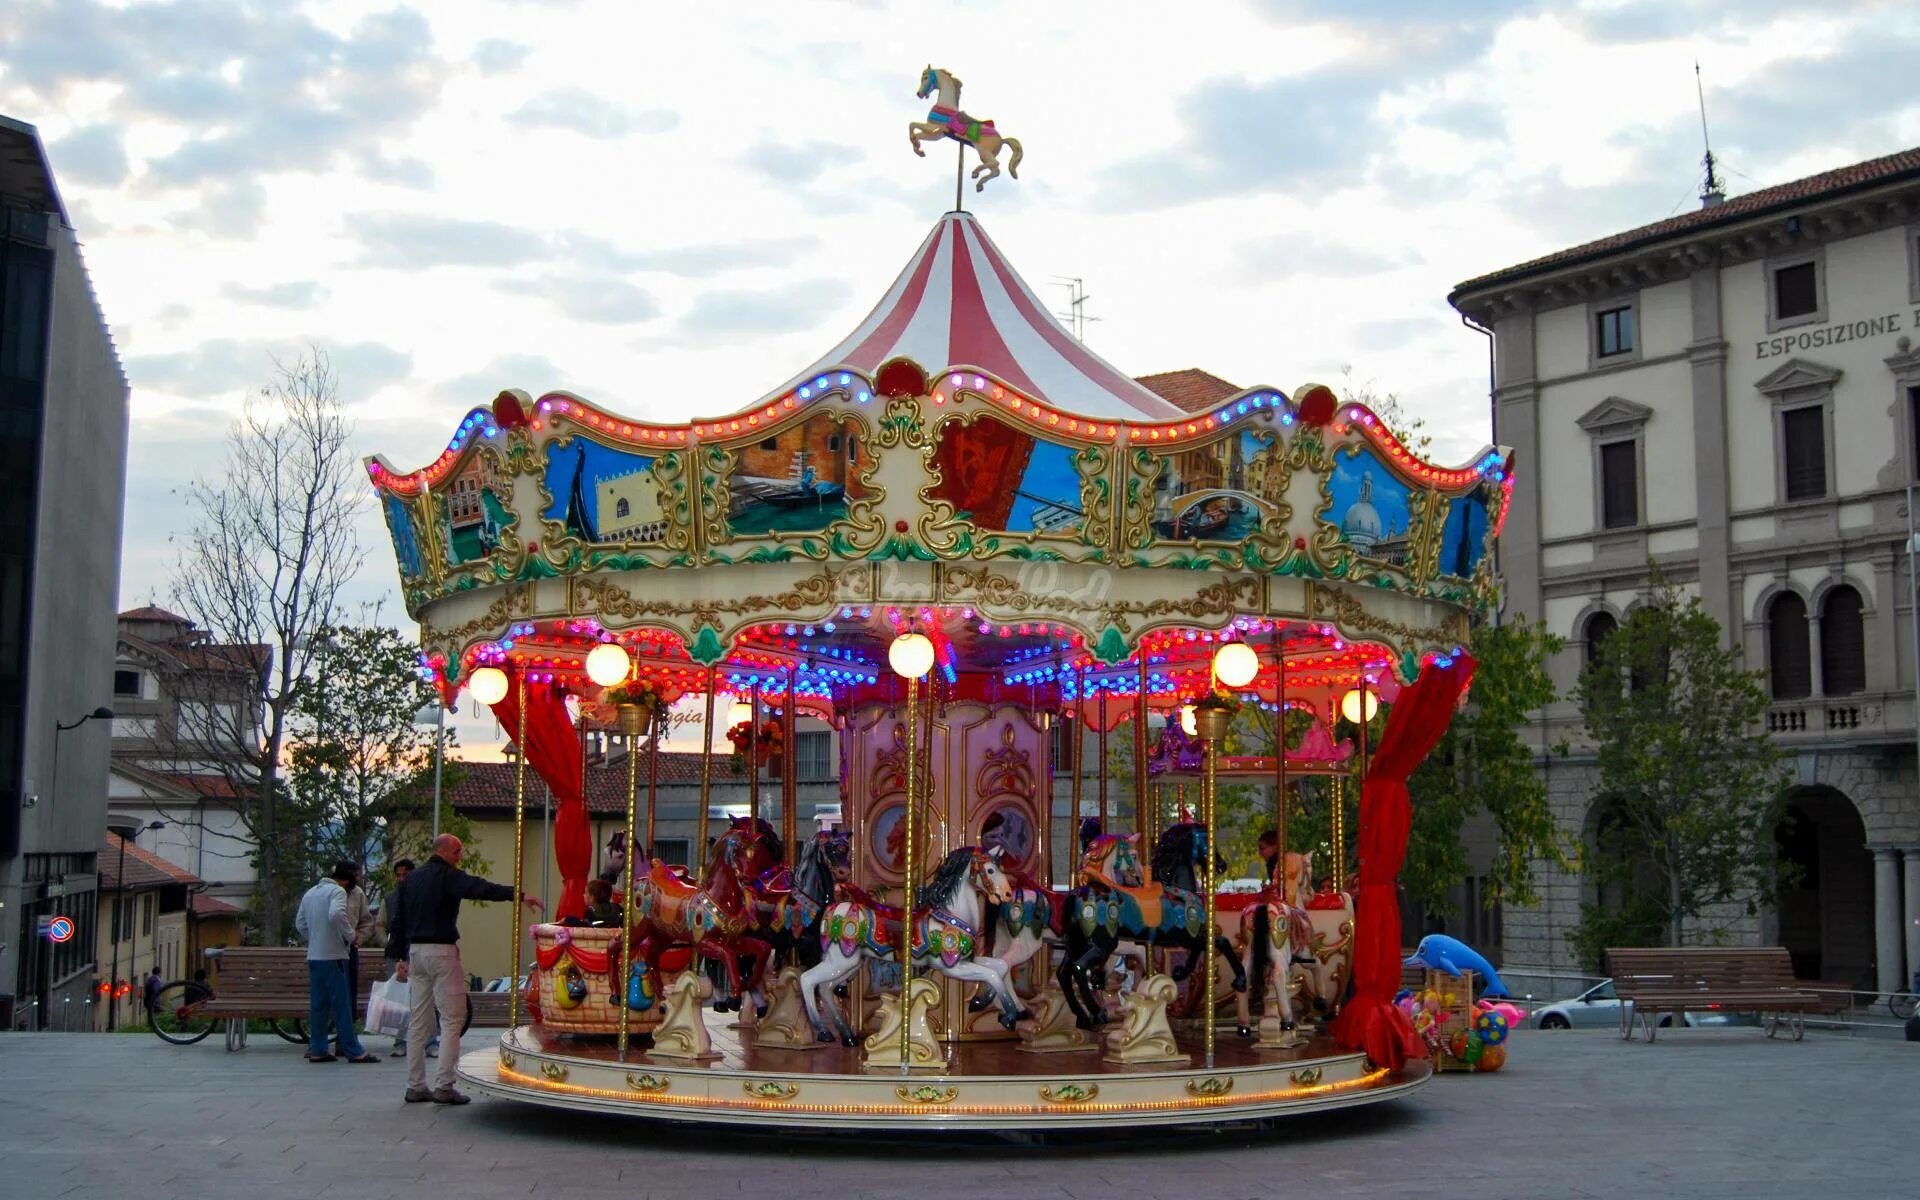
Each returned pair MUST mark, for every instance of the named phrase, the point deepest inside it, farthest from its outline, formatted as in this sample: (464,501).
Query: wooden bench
(1650,982)
(272,983)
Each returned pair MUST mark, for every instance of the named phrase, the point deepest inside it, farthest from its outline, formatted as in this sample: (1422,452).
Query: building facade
(63,451)
(1733,395)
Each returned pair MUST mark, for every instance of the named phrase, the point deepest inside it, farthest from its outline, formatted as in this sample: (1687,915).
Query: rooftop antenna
(1076,315)
(1712,195)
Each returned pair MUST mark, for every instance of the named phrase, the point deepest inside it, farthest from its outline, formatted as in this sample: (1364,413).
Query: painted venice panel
(800,479)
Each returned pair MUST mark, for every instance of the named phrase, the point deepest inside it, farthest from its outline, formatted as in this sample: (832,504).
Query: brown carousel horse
(716,917)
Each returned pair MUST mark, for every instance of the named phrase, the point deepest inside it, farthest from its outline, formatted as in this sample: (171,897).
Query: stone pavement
(1700,1114)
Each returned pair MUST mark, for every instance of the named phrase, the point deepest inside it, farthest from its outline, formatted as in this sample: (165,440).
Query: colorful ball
(1475,1048)
(1492,1059)
(1457,1044)
(1491,1026)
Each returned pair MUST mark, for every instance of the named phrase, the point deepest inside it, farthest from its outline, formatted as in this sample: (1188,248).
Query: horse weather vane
(945,120)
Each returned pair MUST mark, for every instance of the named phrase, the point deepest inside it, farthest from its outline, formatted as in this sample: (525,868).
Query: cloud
(1286,255)
(1391,332)
(223,366)
(295,294)
(497,55)
(91,154)
(768,311)
(602,299)
(799,162)
(232,209)
(711,258)
(1298,133)
(410,241)
(582,112)
(534,374)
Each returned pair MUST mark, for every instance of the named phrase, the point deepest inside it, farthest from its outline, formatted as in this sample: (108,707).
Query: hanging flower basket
(1213,714)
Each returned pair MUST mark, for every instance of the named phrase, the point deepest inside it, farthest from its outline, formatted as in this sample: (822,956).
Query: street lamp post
(127,830)
(36,953)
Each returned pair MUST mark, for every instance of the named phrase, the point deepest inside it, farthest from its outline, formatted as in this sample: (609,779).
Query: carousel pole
(1079,745)
(519,846)
(960,176)
(629,725)
(1205,951)
(789,785)
(907,884)
(1145,820)
(1280,756)
(653,778)
(698,858)
(753,751)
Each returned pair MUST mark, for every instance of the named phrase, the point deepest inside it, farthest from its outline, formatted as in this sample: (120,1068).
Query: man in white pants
(425,945)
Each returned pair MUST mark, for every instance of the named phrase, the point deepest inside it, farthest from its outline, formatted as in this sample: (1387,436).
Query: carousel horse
(1116,903)
(788,906)
(716,917)
(945,937)
(1279,936)
(1020,928)
(947,121)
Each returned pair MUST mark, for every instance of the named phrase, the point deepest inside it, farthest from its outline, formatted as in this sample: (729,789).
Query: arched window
(1843,644)
(1789,662)
(1600,627)
(622,508)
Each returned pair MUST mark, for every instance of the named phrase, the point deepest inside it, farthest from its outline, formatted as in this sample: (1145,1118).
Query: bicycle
(175,1016)
(1904,1004)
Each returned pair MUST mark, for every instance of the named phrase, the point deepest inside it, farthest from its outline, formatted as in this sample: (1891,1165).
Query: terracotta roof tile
(213,906)
(1889,169)
(143,868)
(151,613)
(1192,389)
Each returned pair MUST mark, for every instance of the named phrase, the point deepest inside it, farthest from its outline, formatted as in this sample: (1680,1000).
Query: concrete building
(1734,395)
(63,451)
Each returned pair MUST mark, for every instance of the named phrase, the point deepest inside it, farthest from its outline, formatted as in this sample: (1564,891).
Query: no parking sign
(60,930)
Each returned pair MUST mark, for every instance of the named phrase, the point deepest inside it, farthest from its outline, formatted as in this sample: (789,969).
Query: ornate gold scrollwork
(514,601)
(1007,771)
(507,1059)
(648,1083)
(1353,618)
(1212,1085)
(927,1093)
(1306,1076)
(554,1071)
(1069,1093)
(769,1089)
(605,598)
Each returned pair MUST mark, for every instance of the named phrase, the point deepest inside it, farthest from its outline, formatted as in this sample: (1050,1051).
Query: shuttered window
(1789,662)
(1619,485)
(1843,644)
(1803,451)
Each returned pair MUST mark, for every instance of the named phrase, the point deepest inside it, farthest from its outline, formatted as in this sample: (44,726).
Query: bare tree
(261,574)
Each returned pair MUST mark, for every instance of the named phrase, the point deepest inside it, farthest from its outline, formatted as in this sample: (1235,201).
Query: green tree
(1483,764)
(358,764)
(1690,786)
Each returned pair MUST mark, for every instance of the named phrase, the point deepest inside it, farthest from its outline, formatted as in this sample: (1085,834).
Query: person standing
(366,932)
(324,923)
(152,989)
(426,946)
(401,869)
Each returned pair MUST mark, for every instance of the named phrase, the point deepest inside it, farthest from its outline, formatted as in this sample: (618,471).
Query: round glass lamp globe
(1187,725)
(739,714)
(910,655)
(1235,664)
(488,685)
(1351,702)
(607,664)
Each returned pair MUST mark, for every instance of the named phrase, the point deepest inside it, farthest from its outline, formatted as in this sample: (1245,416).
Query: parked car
(499,983)
(1598,1007)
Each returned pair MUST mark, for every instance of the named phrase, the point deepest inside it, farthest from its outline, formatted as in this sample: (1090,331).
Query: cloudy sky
(668,208)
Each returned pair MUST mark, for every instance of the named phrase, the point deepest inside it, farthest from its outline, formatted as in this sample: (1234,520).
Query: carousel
(967,542)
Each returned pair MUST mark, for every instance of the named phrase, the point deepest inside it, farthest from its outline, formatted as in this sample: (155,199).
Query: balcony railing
(1867,714)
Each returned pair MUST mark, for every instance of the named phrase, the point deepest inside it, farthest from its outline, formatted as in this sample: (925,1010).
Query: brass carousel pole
(1079,746)
(753,751)
(1209,740)
(629,725)
(1105,821)
(907,883)
(519,847)
(697,860)
(658,720)
(789,784)
(1280,756)
(1144,819)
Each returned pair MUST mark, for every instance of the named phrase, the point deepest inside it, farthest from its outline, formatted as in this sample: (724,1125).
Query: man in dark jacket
(425,943)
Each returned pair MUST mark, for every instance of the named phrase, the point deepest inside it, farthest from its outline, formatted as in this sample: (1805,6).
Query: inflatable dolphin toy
(1453,956)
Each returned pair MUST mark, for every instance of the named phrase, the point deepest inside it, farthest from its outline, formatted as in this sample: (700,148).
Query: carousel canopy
(960,305)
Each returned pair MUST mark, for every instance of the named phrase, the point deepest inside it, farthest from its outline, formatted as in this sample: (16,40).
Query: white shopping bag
(387,1007)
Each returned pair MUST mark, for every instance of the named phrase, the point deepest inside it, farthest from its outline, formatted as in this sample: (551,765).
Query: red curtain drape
(1415,723)
(553,751)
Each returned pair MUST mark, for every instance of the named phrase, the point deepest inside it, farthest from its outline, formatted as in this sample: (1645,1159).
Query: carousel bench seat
(1668,980)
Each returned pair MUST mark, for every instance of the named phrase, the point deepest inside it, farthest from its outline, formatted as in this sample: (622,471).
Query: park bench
(272,983)
(1650,982)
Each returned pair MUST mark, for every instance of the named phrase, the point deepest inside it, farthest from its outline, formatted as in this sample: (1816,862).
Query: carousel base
(983,1086)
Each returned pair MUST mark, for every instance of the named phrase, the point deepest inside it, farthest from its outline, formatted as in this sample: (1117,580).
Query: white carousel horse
(945,937)
(947,121)
(1288,935)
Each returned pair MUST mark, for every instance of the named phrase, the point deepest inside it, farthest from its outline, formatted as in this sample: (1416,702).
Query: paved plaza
(1705,1113)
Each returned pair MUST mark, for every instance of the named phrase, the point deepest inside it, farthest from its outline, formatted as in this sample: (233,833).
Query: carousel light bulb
(1235,664)
(1187,724)
(1350,704)
(740,713)
(607,664)
(488,685)
(910,655)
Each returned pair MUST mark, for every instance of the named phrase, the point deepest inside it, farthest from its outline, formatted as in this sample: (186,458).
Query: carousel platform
(984,1085)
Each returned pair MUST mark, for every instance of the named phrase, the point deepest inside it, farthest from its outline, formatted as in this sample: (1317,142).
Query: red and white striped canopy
(959,304)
